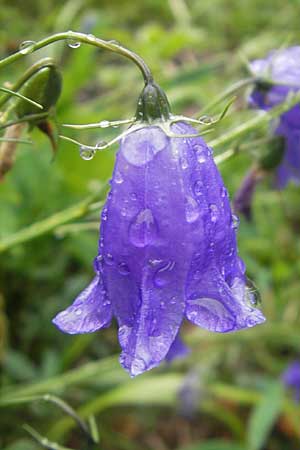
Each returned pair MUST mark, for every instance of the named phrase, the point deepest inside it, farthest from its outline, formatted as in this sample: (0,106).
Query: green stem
(83,38)
(50,223)
(256,122)
(27,118)
(228,93)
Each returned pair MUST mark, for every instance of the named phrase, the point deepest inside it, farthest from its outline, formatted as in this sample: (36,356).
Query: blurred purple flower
(291,378)
(167,251)
(281,67)
(242,202)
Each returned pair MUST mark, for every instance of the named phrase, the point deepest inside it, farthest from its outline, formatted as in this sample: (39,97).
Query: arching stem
(82,38)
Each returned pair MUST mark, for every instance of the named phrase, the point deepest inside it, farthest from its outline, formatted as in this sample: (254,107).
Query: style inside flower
(291,378)
(167,249)
(279,75)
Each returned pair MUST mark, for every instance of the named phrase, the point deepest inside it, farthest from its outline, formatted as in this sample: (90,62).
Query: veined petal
(147,231)
(89,312)
(216,291)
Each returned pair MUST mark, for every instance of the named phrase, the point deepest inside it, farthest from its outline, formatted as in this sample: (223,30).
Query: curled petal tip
(89,312)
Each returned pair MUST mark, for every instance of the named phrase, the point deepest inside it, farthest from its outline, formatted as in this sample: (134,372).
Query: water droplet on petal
(214,212)
(191,209)
(133,196)
(143,229)
(98,263)
(26,47)
(163,276)
(73,43)
(104,214)
(252,295)
(118,177)
(78,311)
(138,366)
(86,153)
(200,153)
(198,187)
(211,314)
(235,222)
(123,268)
(108,259)
(197,275)
(224,192)
(184,163)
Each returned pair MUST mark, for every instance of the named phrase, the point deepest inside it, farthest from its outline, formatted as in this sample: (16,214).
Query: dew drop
(101,145)
(163,276)
(118,177)
(201,158)
(138,366)
(73,43)
(26,47)
(197,275)
(98,263)
(108,259)
(184,163)
(224,192)
(133,196)
(214,212)
(78,312)
(123,268)
(114,42)
(235,222)
(104,214)
(191,209)
(86,153)
(104,124)
(198,188)
(252,295)
(143,229)
(91,37)
(154,262)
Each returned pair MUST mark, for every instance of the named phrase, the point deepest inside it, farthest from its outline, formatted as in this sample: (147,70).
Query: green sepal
(44,86)
(153,104)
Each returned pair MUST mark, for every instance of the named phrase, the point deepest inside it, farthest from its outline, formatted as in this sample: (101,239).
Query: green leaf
(264,416)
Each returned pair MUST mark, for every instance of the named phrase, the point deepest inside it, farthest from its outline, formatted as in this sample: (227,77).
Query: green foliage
(48,233)
(264,415)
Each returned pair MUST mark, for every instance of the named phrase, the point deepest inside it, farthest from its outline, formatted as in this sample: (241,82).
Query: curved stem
(87,39)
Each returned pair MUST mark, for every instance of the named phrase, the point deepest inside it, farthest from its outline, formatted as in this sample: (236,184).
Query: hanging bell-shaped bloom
(167,249)
(281,70)
(291,378)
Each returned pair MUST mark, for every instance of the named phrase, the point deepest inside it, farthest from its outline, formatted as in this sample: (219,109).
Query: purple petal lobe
(177,350)
(90,311)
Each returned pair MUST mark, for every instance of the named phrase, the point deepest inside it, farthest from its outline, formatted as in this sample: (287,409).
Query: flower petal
(177,350)
(89,312)
(147,232)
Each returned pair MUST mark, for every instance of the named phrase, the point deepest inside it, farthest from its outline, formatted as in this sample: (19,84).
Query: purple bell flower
(281,70)
(167,250)
(291,378)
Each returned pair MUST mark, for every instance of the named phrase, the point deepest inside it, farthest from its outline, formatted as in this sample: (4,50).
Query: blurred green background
(226,395)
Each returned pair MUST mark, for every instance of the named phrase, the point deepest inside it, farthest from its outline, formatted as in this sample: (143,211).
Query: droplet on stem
(86,153)
(26,47)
